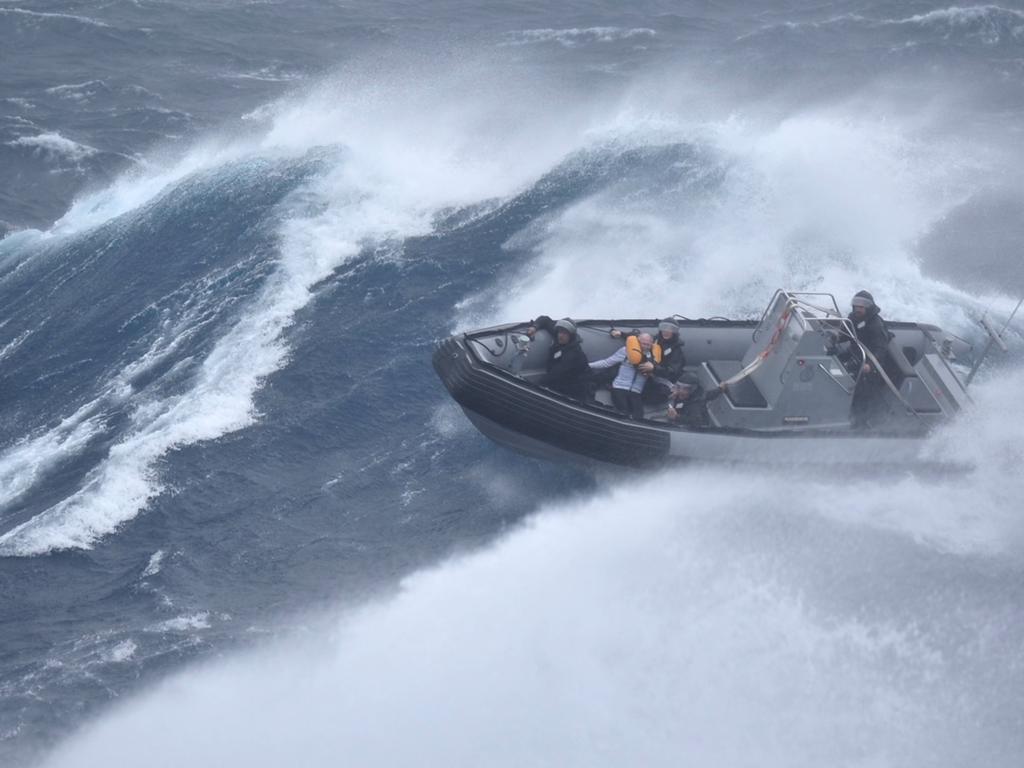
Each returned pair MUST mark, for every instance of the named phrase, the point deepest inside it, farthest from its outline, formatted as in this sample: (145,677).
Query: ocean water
(242,524)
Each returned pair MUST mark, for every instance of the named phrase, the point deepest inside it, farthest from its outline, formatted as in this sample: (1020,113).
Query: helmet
(567,325)
(689,381)
(863,299)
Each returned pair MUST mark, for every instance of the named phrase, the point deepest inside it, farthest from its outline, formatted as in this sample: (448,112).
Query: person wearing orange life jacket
(636,361)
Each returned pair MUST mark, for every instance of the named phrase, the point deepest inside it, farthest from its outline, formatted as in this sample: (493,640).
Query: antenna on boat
(995,338)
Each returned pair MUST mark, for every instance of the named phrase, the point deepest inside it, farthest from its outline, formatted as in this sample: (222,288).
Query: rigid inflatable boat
(788,398)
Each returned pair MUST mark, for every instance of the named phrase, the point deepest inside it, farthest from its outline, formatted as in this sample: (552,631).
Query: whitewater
(241,524)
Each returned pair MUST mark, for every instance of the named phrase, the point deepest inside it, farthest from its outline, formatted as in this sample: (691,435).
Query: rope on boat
(754,364)
(792,304)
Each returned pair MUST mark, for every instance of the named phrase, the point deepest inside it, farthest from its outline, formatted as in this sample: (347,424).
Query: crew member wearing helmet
(869,327)
(871,332)
(668,370)
(688,402)
(567,368)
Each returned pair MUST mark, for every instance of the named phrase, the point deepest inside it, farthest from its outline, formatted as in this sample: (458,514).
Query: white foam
(797,25)
(575,36)
(24,464)
(54,145)
(120,653)
(73,88)
(185,623)
(135,190)
(991,24)
(964,15)
(816,202)
(85,20)
(27,463)
(464,133)
(268,75)
(647,626)
(23,103)
(123,484)
(77,91)
(11,346)
(155,563)
(448,420)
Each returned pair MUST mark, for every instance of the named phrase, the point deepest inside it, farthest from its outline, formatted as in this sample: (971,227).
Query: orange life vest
(635,353)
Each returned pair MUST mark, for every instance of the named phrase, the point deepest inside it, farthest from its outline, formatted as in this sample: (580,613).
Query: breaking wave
(389,185)
(52,144)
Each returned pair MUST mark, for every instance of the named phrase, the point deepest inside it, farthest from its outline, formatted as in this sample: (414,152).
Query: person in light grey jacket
(628,387)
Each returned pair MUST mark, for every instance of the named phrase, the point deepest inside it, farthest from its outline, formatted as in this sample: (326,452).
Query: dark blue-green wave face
(242,524)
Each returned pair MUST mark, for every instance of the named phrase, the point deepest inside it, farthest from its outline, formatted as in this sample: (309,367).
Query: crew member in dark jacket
(673,361)
(688,402)
(567,366)
(870,328)
(868,325)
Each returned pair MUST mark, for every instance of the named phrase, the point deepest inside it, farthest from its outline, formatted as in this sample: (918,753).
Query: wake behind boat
(788,390)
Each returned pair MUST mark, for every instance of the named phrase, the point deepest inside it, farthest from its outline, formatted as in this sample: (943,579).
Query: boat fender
(635,353)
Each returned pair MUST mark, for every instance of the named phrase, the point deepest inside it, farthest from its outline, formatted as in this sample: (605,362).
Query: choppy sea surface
(242,524)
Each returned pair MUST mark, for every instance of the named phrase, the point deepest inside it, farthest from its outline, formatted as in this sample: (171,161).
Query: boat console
(791,375)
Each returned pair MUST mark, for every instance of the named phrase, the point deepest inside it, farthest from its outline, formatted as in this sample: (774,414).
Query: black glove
(831,343)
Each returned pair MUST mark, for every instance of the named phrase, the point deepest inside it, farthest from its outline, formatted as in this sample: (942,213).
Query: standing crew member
(869,327)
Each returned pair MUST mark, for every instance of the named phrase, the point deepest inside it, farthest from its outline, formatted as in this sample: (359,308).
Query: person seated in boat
(873,335)
(688,402)
(670,367)
(566,368)
(636,362)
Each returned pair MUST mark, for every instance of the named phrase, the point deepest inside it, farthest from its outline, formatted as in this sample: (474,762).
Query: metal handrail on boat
(794,303)
(828,312)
